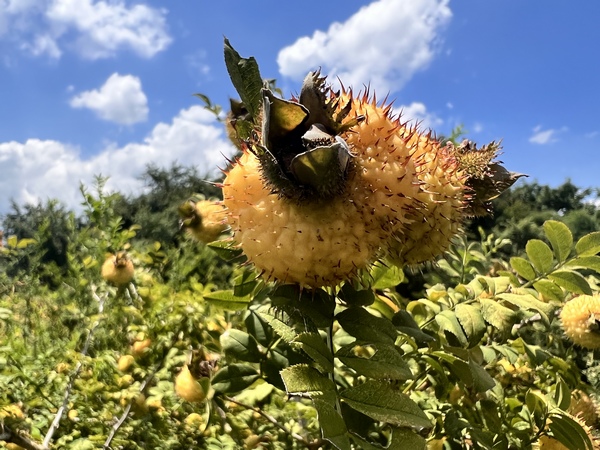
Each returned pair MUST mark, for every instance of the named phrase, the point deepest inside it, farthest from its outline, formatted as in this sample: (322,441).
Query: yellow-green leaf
(540,255)
(522,267)
(571,281)
(560,238)
(589,244)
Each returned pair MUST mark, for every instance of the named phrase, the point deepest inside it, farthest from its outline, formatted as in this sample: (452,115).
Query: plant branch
(76,372)
(315,444)
(21,439)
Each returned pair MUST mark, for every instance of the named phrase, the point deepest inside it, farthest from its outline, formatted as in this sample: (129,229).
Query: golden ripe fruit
(579,319)
(118,269)
(187,387)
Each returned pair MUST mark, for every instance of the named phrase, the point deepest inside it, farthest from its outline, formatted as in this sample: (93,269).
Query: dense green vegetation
(471,356)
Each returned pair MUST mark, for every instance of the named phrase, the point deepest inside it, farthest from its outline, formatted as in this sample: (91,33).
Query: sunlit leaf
(240,345)
(560,238)
(316,348)
(382,402)
(589,244)
(522,267)
(540,255)
(386,362)
(571,281)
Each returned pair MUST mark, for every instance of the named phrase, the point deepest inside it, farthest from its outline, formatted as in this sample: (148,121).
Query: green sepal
(281,117)
(245,77)
(322,168)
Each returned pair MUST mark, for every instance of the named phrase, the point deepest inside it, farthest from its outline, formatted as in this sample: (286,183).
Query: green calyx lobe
(300,151)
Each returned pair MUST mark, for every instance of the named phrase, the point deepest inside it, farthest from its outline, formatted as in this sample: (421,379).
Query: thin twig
(125,414)
(75,374)
(21,439)
(274,421)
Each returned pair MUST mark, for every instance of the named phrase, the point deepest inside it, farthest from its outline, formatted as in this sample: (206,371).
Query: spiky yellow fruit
(439,210)
(118,269)
(312,243)
(549,443)
(187,387)
(208,221)
(579,319)
(584,407)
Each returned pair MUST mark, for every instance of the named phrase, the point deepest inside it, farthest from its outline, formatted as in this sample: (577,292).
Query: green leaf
(447,321)
(333,427)
(351,296)
(522,267)
(497,315)
(560,238)
(240,345)
(386,277)
(315,347)
(403,439)
(227,300)
(269,315)
(589,244)
(569,432)
(385,363)
(571,281)
(471,321)
(245,77)
(366,327)
(303,379)
(540,255)
(528,301)
(549,290)
(258,328)
(405,323)
(585,262)
(380,401)
(234,378)
(482,381)
(562,394)
(226,250)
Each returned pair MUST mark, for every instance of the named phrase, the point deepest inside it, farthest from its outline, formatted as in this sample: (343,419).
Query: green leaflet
(560,238)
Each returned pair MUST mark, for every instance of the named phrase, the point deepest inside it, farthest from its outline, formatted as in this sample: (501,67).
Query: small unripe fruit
(118,269)
(579,320)
(125,362)
(138,348)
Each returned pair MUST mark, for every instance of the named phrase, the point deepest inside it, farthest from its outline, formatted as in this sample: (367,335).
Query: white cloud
(120,99)
(93,28)
(543,137)
(383,44)
(43,169)
(416,114)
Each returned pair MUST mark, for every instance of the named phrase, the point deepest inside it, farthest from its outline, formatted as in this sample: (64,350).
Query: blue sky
(92,87)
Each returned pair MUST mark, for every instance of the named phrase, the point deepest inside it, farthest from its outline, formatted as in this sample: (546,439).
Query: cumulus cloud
(120,99)
(543,137)
(416,113)
(93,28)
(383,44)
(43,169)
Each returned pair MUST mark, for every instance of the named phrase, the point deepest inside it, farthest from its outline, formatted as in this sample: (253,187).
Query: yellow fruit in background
(118,269)
(194,420)
(187,387)
(125,362)
(579,320)
(13,446)
(204,220)
(435,444)
(139,347)
(549,443)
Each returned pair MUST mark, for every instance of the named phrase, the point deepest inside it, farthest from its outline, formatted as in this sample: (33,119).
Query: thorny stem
(75,374)
(312,445)
(20,439)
